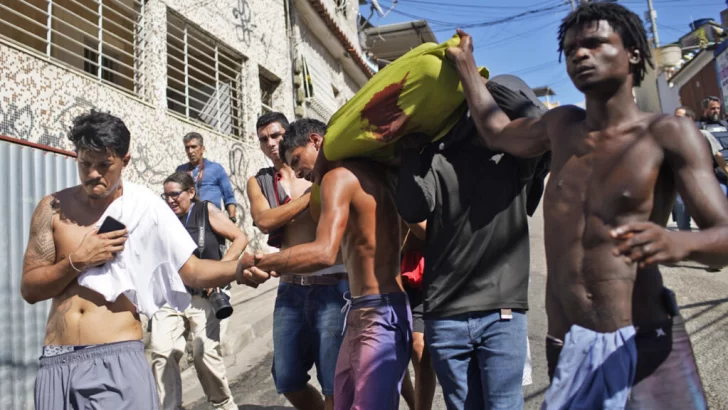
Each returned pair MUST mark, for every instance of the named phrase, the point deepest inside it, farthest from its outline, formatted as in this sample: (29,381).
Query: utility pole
(653,17)
(573,5)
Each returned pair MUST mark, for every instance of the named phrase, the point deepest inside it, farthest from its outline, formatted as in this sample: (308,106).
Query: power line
(510,38)
(528,13)
(470,6)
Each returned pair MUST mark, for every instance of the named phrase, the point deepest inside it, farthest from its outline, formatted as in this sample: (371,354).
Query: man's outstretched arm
(691,164)
(337,189)
(524,137)
(268,219)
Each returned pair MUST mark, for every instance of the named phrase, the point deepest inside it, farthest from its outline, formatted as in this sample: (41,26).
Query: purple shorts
(374,354)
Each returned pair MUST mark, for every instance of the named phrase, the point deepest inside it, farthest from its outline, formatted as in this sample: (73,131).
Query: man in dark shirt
(476,264)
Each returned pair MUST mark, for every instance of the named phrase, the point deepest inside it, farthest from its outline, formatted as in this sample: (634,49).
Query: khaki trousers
(168,345)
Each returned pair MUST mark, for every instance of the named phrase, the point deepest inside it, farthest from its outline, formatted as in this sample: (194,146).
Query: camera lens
(221,303)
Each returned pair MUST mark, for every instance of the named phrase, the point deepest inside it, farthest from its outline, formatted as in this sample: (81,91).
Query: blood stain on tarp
(385,117)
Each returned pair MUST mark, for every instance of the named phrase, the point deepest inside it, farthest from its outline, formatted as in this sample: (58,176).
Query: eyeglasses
(168,195)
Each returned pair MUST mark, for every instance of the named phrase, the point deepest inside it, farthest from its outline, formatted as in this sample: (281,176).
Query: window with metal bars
(204,78)
(101,37)
(268,86)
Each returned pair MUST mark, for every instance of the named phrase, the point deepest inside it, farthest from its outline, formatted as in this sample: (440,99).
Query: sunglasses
(174,195)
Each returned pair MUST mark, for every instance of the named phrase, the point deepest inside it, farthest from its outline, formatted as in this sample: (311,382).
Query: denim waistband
(394,298)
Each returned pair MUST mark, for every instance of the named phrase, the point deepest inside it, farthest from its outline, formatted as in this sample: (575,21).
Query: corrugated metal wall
(26,175)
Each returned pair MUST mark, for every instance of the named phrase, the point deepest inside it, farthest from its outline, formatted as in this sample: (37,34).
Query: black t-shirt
(474,201)
(193,221)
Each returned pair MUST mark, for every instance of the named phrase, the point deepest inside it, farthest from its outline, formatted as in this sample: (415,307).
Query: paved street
(702,295)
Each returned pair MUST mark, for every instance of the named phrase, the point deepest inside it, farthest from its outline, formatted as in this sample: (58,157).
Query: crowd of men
(615,336)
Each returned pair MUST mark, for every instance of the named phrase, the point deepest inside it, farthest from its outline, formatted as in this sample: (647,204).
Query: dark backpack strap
(201,223)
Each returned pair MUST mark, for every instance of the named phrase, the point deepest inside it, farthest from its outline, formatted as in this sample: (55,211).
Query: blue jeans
(308,329)
(680,215)
(479,359)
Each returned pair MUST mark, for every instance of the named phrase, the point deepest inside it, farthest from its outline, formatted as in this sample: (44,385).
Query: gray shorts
(107,376)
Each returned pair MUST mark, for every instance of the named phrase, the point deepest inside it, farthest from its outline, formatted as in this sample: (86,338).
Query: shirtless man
(307,319)
(359,216)
(614,175)
(93,355)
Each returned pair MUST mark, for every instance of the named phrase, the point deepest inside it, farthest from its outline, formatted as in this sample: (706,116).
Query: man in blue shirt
(211,181)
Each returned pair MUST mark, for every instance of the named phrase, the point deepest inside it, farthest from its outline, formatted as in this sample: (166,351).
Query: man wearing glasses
(209,227)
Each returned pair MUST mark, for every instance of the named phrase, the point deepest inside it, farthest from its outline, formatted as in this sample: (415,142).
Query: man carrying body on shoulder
(211,181)
(615,335)
(472,203)
(99,283)
(359,217)
(307,319)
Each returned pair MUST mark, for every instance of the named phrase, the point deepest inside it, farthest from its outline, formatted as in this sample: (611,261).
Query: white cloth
(147,270)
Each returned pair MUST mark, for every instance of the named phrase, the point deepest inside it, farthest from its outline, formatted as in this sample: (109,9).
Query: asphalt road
(702,296)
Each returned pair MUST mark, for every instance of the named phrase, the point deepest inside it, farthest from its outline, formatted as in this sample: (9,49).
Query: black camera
(221,303)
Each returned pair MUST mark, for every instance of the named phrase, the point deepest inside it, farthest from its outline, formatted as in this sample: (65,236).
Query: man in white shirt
(93,351)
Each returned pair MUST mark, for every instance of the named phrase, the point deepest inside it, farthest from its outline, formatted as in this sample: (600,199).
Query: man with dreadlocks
(615,171)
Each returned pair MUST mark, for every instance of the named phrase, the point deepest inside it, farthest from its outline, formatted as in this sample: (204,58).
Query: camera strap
(201,224)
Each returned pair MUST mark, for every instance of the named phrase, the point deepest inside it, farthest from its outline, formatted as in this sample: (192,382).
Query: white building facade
(166,67)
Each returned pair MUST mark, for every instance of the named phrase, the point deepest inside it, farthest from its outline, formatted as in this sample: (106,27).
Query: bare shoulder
(54,204)
(563,115)
(343,174)
(566,111)
(47,207)
(672,132)
(41,249)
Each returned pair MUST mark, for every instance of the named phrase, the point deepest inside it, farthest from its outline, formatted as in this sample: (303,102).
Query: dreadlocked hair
(626,23)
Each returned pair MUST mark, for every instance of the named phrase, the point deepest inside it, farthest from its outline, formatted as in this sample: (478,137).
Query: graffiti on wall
(20,122)
(244,25)
(240,167)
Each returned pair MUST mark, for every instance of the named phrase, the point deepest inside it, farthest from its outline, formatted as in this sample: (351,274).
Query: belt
(311,280)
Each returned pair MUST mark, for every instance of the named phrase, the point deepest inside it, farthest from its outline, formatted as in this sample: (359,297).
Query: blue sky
(527,46)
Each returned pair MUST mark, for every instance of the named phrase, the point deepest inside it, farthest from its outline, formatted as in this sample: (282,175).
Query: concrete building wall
(647,95)
(345,14)
(40,96)
(332,85)
(43,88)
(257,30)
(669,96)
(38,100)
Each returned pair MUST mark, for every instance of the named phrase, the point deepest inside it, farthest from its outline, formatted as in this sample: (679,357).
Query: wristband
(71,262)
